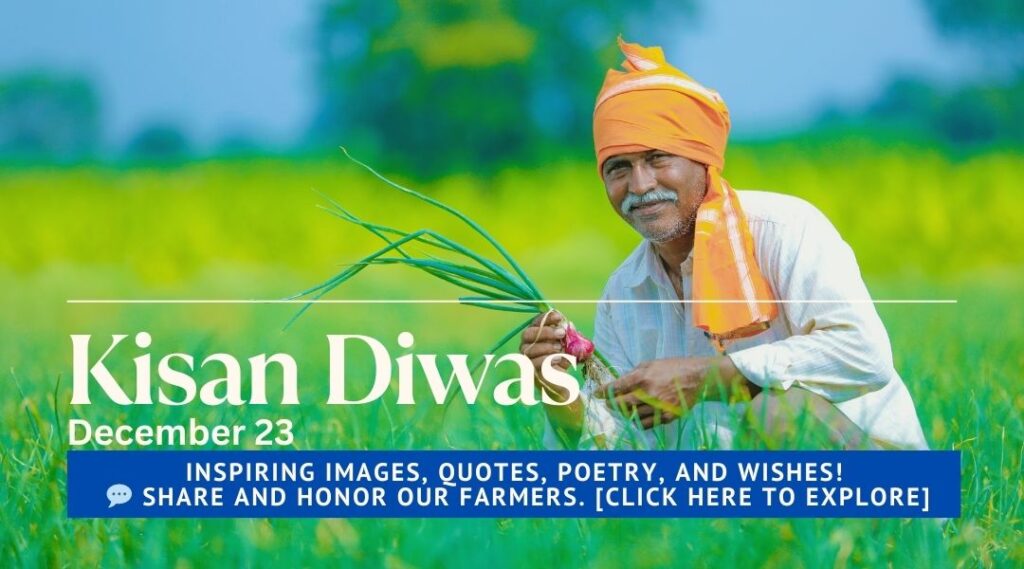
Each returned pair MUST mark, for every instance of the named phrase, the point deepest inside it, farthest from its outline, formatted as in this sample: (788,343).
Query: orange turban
(652,105)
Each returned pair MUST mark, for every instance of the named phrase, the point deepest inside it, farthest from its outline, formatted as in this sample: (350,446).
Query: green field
(923,224)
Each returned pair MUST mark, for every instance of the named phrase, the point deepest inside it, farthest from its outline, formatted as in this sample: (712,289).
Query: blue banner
(458,484)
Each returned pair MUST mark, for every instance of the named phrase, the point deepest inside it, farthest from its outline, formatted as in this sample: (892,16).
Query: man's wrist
(566,419)
(724,380)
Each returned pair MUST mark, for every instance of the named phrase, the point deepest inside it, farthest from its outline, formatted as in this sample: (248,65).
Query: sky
(220,68)
(779,64)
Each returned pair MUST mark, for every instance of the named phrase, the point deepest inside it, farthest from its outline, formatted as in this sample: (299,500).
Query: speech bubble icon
(118,494)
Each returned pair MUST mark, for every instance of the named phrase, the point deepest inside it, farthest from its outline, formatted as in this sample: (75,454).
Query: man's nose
(644,179)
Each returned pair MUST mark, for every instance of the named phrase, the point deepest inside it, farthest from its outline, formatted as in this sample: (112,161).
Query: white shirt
(839,350)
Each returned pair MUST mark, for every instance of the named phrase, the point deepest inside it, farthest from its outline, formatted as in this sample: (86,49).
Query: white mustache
(633,201)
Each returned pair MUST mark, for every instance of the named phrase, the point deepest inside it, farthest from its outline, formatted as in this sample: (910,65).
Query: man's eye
(616,170)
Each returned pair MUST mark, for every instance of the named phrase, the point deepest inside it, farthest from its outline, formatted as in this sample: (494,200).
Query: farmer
(741,313)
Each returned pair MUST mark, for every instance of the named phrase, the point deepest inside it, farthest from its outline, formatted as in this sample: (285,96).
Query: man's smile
(651,209)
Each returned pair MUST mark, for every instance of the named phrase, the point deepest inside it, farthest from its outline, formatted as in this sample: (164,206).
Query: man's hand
(541,339)
(661,391)
(544,337)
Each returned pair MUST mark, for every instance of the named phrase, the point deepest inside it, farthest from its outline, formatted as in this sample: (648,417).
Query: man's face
(656,192)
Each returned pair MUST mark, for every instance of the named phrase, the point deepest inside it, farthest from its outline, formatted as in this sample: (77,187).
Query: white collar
(646,265)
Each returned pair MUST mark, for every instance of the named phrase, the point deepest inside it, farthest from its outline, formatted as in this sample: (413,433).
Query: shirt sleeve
(606,337)
(840,349)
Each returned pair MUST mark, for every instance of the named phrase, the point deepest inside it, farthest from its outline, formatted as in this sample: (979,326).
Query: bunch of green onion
(492,283)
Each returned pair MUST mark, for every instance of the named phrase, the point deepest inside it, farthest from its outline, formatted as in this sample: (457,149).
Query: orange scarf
(652,105)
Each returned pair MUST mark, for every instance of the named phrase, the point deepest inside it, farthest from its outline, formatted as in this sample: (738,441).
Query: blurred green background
(163,152)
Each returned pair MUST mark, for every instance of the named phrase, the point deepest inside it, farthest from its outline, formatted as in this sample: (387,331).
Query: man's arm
(660,391)
(840,349)
(564,424)
(541,339)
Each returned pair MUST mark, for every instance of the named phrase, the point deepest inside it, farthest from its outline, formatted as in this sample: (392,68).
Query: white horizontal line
(503,301)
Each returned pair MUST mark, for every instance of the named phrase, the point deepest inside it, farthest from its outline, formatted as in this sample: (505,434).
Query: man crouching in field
(731,295)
